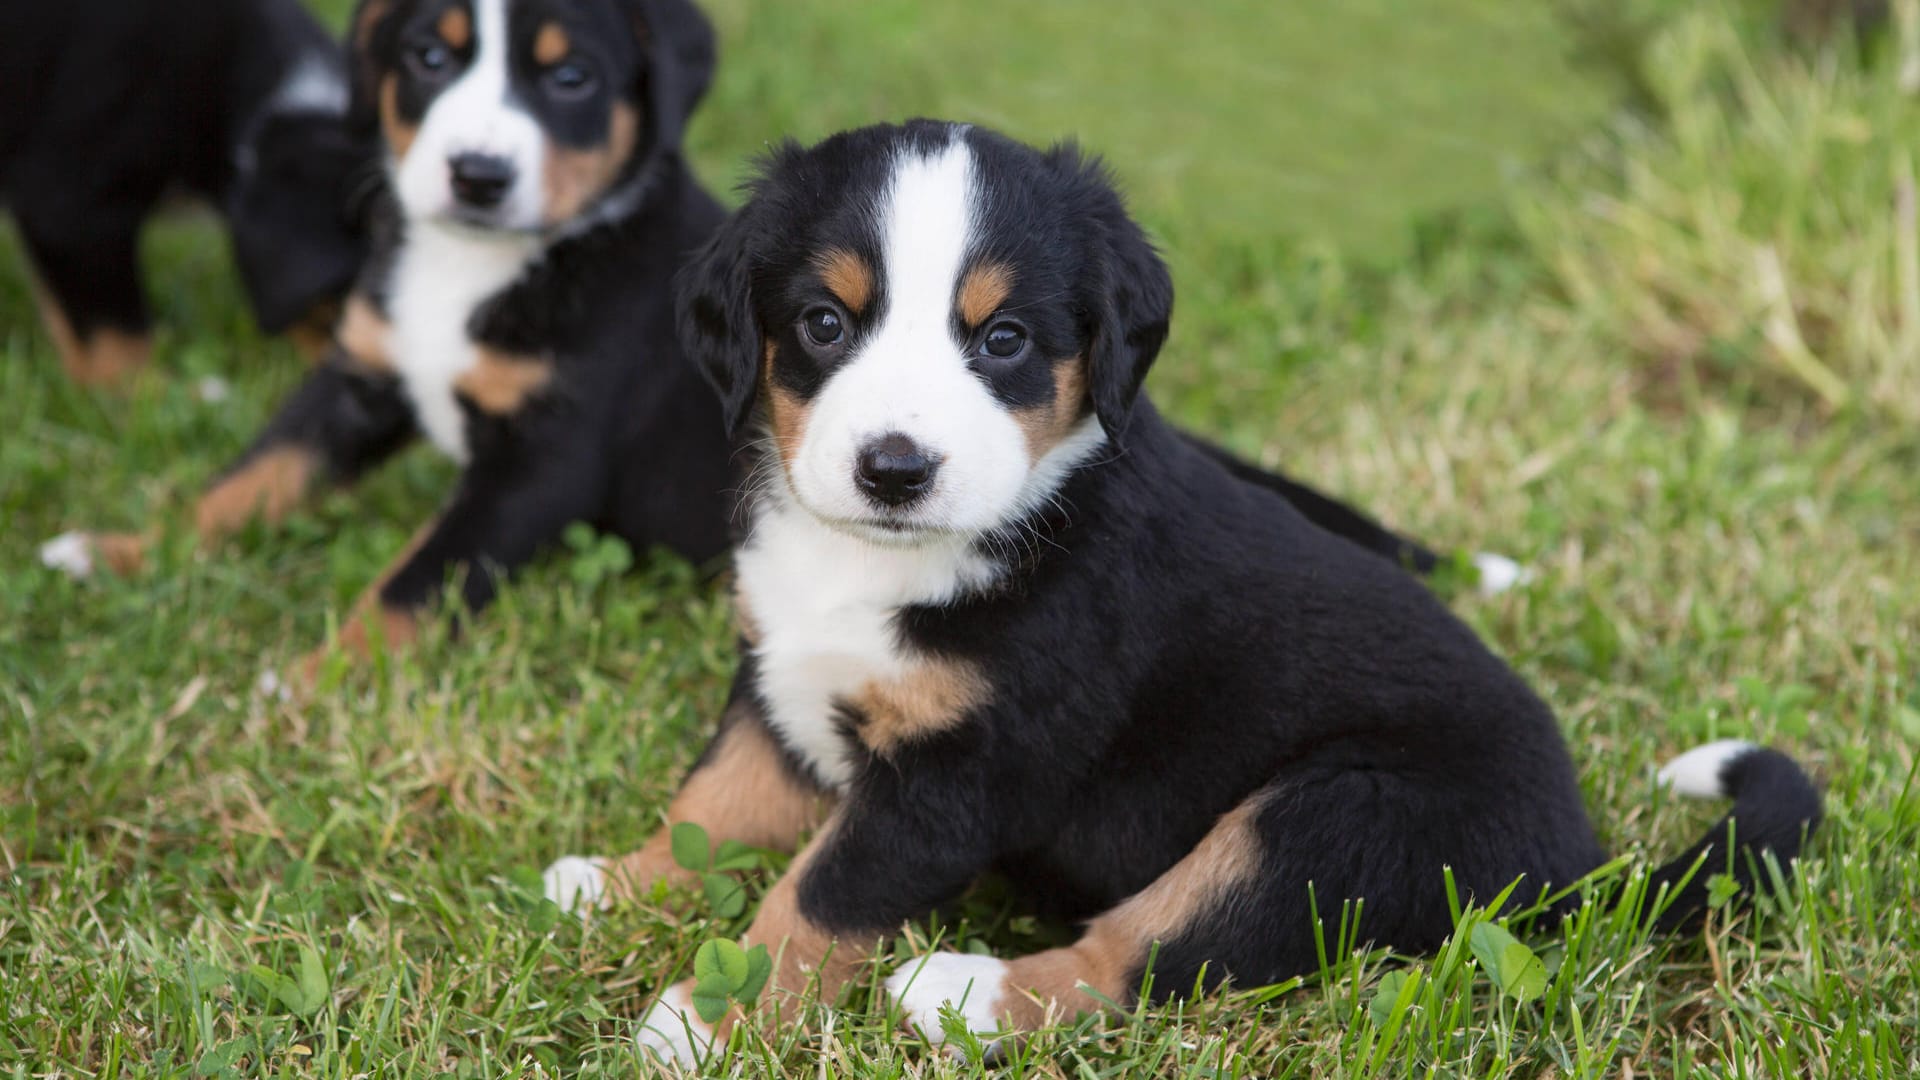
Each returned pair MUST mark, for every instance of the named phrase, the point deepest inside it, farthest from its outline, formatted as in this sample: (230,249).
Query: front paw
(79,554)
(672,1032)
(973,986)
(577,884)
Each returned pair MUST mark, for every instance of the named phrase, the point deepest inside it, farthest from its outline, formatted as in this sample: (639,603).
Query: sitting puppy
(998,616)
(109,105)
(516,308)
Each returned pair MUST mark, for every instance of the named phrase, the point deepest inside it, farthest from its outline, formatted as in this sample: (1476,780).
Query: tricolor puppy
(517,309)
(999,616)
(108,106)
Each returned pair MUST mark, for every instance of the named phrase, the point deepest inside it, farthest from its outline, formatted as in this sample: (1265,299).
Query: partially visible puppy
(517,307)
(108,106)
(999,616)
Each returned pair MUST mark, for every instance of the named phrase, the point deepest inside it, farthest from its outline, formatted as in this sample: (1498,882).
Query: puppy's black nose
(893,470)
(481,180)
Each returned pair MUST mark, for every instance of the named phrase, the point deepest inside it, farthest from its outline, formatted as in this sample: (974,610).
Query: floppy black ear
(297,236)
(681,54)
(367,38)
(1131,303)
(714,314)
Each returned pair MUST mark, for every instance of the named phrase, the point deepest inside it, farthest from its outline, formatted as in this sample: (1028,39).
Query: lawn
(1677,370)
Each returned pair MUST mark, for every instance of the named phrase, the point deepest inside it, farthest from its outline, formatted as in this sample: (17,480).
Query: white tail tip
(1696,773)
(1499,573)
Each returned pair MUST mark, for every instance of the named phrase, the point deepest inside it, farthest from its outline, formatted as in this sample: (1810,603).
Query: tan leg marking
(577,177)
(847,276)
(113,356)
(551,44)
(124,554)
(803,948)
(398,627)
(1046,985)
(269,486)
(313,334)
(501,384)
(935,694)
(61,331)
(104,357)
(744,791)
(983,290)
(803,951)
(456,27)
(399,133)
(366,334)
(1045,426)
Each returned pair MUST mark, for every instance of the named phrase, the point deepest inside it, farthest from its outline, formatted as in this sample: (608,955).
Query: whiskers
(765,477)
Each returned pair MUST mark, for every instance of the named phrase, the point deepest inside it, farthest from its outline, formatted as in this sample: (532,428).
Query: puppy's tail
(1775,807)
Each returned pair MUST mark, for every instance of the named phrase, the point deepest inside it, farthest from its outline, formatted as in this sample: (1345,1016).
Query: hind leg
(1241,904)
(1107,961)
(86,260)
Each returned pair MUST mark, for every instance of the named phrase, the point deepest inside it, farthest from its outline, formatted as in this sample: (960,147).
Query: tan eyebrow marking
(456,27)
(983,290)
(847,276)
(551,45)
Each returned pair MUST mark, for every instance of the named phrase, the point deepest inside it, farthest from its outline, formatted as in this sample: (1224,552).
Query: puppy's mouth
(889,528)
(472,219)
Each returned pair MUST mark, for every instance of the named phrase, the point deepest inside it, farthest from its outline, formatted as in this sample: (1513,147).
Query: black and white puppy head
(936,324)
(523,114)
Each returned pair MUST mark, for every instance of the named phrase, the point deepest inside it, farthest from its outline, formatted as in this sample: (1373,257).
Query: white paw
(672,1031)
(576,883)
(972,985)
(1696,773)
(1499,573)
(70,553)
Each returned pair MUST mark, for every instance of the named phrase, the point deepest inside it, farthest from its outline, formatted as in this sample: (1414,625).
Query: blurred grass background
(1335,120)
(1627,290)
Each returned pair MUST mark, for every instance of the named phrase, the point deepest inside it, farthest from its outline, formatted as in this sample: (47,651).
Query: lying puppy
(109,105)
(999,616)
(516,309)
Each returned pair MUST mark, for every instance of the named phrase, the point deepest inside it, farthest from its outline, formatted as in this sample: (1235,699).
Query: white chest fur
(443,273)
(824,605)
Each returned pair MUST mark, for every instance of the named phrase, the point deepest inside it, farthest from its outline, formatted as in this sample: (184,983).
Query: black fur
(623,436)
(109,105)
(1186,641)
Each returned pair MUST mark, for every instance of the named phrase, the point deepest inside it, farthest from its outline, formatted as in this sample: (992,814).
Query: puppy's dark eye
(822,326)
(1004,341)
(570,80)
(430,59)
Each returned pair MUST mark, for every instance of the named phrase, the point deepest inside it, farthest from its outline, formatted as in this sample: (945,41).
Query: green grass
(195,877)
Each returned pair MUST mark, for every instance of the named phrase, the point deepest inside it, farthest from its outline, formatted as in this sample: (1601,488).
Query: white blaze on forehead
(927,221)
(477,115)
